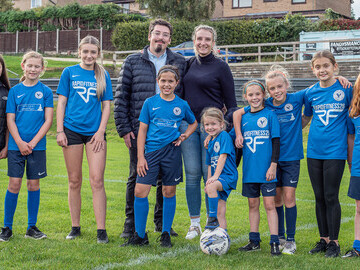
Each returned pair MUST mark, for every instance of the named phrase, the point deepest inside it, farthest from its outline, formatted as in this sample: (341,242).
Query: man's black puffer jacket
(3,98)
(136,83)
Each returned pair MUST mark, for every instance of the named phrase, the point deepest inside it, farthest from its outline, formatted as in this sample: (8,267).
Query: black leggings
(325,176)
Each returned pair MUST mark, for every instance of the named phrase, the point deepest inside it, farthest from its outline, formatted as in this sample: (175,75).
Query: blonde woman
(83,111)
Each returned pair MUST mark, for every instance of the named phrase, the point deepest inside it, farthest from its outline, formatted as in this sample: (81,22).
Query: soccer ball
(215,241)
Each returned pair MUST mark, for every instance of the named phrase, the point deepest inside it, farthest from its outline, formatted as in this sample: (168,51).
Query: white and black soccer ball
(215,241)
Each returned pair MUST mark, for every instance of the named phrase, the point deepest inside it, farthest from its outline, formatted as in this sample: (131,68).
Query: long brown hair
(355,102)
(98,69)
(4,78)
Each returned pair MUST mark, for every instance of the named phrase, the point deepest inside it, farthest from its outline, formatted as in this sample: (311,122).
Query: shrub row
(68,17)
(133,35)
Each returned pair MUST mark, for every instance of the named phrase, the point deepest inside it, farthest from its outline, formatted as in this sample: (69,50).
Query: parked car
(189,53)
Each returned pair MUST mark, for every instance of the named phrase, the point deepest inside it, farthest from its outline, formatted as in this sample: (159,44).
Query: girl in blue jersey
(29,116)
(158,144)
(354,165)
(82,114)
(4,91)
(261,132)
(222,171)
(327,145)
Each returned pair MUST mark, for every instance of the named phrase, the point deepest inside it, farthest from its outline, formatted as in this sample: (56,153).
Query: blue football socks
(274,239)
(141,210)
(254,237)
(10,207)
(281,227)
(290,215)
(169,208)
(33,203)
(213,206)
(356,245)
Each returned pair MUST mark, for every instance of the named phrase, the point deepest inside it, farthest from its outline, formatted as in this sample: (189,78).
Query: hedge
(68,17)
(133,35)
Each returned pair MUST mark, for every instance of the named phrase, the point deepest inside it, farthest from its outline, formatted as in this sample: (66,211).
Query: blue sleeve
(349,95)
(226,144)
(247,109)
(232,134)
(308,108)
(350,125)
(64,84)
(189,115)
(275,126)
(300,96)
(145,114)
(10,104)
(48,97)
(108,94)
(208,160)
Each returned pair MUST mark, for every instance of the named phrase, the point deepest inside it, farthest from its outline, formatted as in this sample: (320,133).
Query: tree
(6,5)
(180,9)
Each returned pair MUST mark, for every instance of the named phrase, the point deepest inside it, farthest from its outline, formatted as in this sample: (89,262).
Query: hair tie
(168,70)
(254,83)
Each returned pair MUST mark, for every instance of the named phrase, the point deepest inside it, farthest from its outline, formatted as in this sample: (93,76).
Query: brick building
(227,9)
(278,8)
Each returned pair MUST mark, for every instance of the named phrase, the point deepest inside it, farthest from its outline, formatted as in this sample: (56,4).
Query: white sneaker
(193,232)
(289,248)
(282,243)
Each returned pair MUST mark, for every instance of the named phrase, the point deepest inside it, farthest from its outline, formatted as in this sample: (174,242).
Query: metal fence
(297,84)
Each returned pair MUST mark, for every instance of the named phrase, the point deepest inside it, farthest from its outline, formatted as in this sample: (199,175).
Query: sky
(356,8)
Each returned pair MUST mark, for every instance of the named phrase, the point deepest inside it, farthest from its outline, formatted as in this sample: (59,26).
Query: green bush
(229,32)
(68,17)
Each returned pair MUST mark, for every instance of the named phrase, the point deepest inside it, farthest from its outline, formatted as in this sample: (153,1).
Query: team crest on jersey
(38,94)
(288,107)
(217,147)
(262,122)
(339,95)
(177,111)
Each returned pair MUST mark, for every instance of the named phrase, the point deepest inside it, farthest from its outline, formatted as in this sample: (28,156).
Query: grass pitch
(84,253)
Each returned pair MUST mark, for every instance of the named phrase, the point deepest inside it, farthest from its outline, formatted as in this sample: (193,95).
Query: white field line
(143,259)
(181,188)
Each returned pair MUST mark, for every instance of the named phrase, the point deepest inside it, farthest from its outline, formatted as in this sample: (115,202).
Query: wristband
(58,132)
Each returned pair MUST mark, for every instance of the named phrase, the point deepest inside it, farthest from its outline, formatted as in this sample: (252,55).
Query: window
(126,8)
(242,3)
(35,3)
(298,1)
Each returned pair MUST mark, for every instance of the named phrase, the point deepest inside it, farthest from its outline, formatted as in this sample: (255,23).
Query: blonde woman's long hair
(214,37)
(98,69)
(36,55)
(355,102)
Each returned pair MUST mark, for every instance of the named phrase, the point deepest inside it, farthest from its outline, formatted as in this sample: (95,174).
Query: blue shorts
(35,164)
(287,173)
(224,194)
(166,160)
(354,188)
(252,190)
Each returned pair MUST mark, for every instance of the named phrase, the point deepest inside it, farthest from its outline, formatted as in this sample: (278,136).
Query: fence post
(37,41)
(227,52)
(259,53)
(101,45)
(294,52)
(78,36)
(57,41)
(17,42)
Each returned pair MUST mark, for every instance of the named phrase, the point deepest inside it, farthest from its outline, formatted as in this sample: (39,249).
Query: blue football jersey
(289,116)
(164,118)
(223,144)
(354,128)
(328,130)
(258,129)
(28,103)
(83,108)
